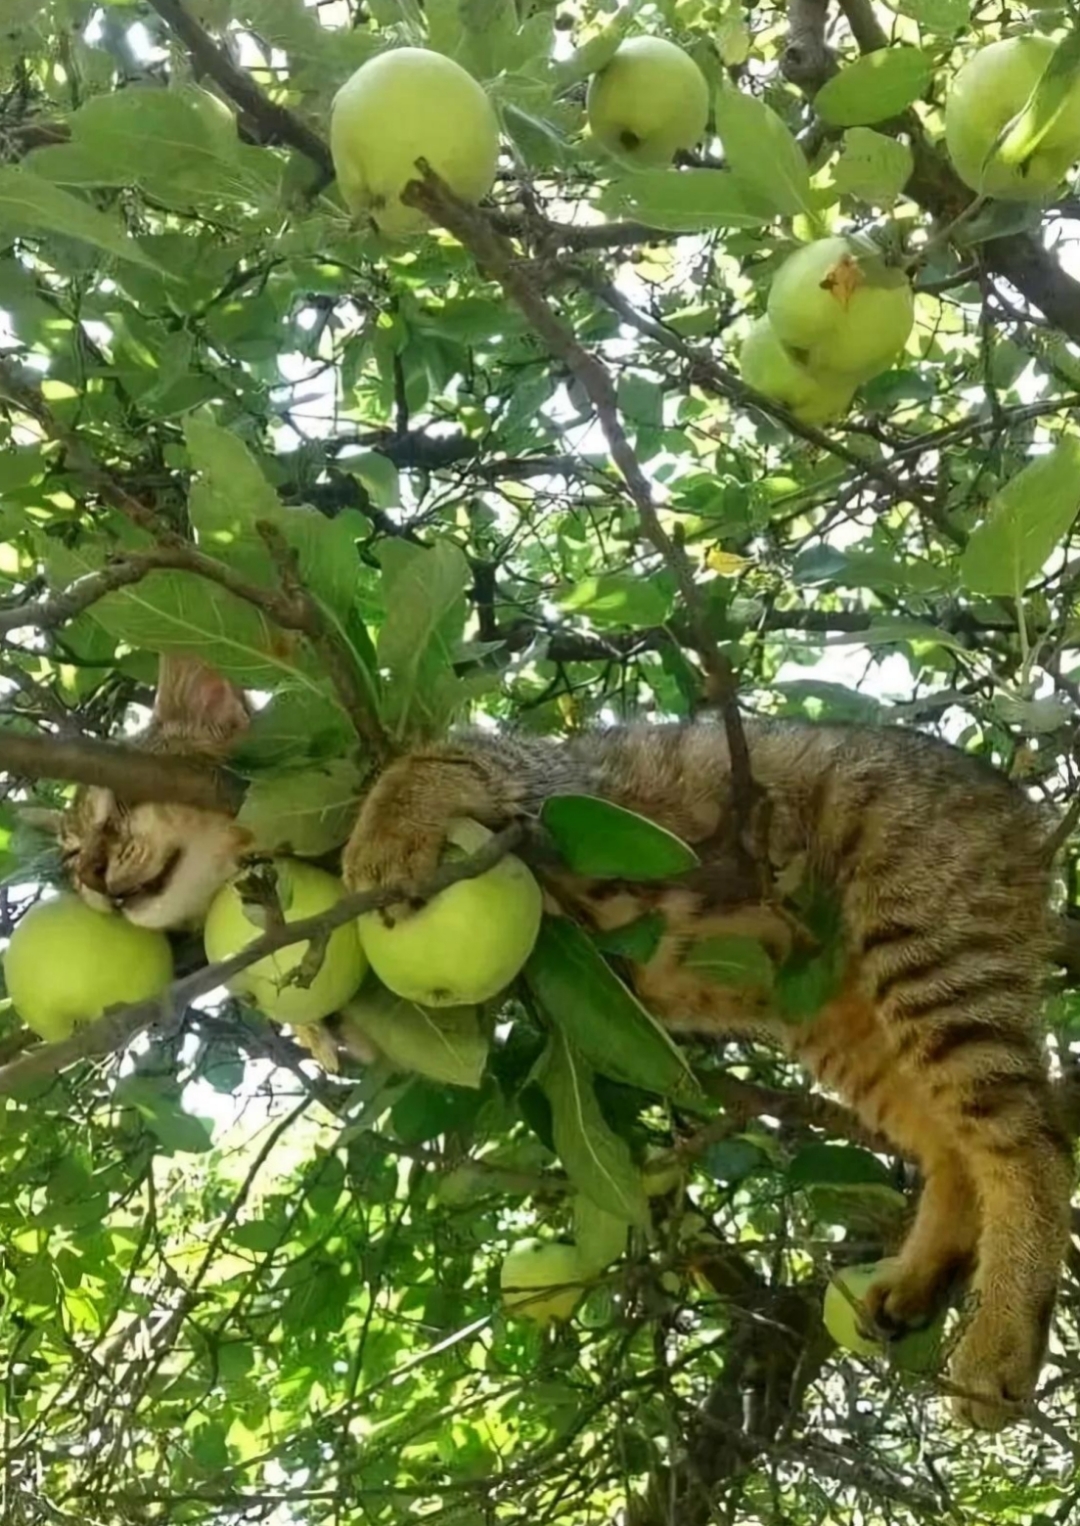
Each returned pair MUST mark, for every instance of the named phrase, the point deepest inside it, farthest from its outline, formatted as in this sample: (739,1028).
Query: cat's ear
(195,701)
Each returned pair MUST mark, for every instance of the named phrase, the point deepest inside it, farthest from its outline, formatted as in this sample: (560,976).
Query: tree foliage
(512,473)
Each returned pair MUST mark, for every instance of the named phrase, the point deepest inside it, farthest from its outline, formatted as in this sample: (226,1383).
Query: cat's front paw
(996,1365)
(391,856)
(902,1298)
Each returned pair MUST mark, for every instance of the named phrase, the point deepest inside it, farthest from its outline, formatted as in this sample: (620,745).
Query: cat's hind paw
(995,1368)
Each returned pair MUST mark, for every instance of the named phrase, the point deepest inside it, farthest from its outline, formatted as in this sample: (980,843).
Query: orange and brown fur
(942,873)
(161,864)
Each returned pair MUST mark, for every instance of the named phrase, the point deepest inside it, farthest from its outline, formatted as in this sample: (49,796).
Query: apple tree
(635,362)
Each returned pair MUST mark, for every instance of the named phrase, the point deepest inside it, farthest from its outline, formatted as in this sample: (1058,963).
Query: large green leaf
(875,87)
(297,725)
(762,153)
(688,201)
(1026,520)
(595,837)
(425,618)
(188,147)
(29,204)
(732,961)
(304,811)
(231,498)
(183,612)
(619,599)
(873,167)
(447,1044)
(580,995)
(597,1161)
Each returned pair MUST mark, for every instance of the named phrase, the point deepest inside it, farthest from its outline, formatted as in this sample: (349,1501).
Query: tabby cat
(942,872)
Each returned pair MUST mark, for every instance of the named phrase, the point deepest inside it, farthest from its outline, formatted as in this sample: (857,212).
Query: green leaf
(638,940)
(687,201)
(731,961)
(872,167)
(31,205)
(762,153)
(618,599)
(297,725)
(580,994)
(836,1165)
(228,497)
(425,619)
(597,1161)
(1051,98)
(306,811)
(944,16)
(1026,520)
(600,1236)
(35,1284)
(593,55)
(875,87)
(157,1101)
(379,476)
(811,977)
(182,612)
(445,1044)
(641,399)
(847,1185)
(189,151)
(597,838)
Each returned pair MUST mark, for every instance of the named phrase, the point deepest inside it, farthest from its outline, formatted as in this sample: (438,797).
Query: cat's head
(161,864)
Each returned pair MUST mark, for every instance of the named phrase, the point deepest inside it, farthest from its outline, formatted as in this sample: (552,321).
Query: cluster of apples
(67,963)
(838,314)
(411,105)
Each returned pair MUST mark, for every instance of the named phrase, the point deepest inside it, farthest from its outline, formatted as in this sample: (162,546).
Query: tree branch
(807,60)
(116,1029)
(277,123)
(497,258)
(131,774)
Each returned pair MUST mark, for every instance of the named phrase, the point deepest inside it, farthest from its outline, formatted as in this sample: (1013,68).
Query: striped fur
(943,878)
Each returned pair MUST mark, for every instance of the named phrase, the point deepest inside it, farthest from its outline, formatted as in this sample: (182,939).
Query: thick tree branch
(807,60)
(131,774)
(277,123)
(116,1029)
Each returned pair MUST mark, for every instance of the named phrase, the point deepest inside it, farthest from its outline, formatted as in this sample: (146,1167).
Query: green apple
(991,89)
(767,366)
(843,1312)
(541,1281)
(67,964)
(467,944)
(650,101)
(400,107)
(841,308)
(303,891)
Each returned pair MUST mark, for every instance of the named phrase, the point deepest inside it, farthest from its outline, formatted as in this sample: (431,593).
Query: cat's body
(934,1039)
(942,874)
